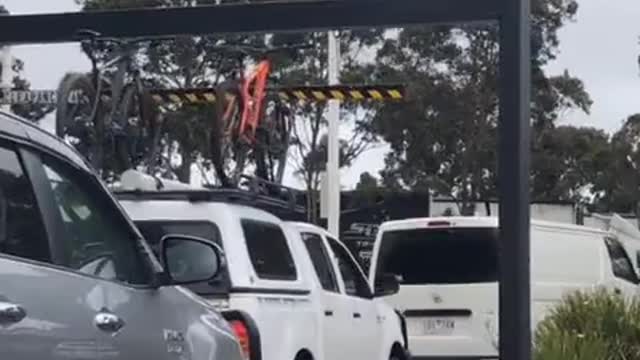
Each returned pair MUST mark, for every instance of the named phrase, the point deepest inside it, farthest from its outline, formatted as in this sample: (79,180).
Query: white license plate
(439,326)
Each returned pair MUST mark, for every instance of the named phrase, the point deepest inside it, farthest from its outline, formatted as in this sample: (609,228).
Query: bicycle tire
(221,135)
(64,121)
(132,146)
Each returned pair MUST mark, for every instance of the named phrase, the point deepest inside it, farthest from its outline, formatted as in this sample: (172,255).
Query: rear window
(154,231)
(440,256)
(269,251)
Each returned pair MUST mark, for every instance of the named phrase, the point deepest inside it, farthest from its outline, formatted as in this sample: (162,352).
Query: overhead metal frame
(514,128)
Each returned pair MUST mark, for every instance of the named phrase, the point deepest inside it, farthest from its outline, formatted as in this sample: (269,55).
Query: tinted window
(269,251)
(321,261)
(620,262)
(440,256)
(354,282)
(98,240)
(22,232)
(154,231)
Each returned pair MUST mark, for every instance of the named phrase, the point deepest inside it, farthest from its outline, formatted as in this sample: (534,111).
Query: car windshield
(440,256)
(154,231)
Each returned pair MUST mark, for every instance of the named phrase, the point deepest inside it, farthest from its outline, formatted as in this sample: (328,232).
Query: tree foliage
(590,325)
(444,138)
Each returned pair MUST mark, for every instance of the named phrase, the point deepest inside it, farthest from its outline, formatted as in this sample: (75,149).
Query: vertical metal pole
(7,74)
(333,158)
(513,168)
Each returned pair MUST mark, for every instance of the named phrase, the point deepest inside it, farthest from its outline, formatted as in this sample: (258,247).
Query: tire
(221,135)
(82,120)
(130,147)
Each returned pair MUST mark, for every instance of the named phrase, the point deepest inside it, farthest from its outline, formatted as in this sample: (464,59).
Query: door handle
(11,313)
(357,315)
(328,313)
(108,322)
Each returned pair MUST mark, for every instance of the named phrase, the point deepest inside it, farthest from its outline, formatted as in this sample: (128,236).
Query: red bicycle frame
(253,93)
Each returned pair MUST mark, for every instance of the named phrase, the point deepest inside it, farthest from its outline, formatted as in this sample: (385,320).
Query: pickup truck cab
(268,278)
(78,281)
(350,307)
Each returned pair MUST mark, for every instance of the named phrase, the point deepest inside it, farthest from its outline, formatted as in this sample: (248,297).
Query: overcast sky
(601,48)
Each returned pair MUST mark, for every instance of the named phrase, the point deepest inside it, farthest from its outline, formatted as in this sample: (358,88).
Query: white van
(448,273)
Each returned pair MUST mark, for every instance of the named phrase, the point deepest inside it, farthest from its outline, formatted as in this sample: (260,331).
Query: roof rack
(273,198)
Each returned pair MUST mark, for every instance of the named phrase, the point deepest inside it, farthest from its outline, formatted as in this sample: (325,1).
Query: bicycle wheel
(132,135)
(284,124)
(79,117)
(228,154)
(272,148)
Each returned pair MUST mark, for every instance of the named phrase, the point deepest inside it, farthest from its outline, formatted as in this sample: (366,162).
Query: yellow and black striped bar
(342,93)
(297,93)
(183,96)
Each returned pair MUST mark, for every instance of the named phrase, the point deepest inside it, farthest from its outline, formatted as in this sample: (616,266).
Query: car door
(133,318)
(365,322)
(336,307)
(625,280)
(45,311)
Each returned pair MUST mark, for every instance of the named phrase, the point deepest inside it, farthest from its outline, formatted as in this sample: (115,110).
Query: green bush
(590,326)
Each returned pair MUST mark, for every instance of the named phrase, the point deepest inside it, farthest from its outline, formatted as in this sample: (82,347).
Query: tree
(309,66)
(619,186)
(33,112)
(569,164)
(367,182)
(444,138)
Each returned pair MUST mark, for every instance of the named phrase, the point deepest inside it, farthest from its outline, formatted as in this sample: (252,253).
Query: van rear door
(448,287)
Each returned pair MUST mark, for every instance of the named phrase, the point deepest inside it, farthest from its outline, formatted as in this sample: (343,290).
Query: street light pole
(333,158)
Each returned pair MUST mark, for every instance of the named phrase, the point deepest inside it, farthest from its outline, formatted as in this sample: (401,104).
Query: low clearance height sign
(46,97)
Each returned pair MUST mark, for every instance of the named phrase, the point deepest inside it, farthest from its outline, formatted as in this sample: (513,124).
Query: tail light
(242,334)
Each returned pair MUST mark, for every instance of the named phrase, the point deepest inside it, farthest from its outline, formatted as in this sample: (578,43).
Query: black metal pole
(513,169)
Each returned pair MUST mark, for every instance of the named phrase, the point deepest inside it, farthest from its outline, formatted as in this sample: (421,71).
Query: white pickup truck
(283,303)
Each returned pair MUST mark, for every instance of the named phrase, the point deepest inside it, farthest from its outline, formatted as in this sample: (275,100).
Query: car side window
(22,231)
(269,252)
(321,262)
(620,262)
(354,282)
(97,240)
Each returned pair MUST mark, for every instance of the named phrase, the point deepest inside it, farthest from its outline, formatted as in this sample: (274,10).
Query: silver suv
(77,281)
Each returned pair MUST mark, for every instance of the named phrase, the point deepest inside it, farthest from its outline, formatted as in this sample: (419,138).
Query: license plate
(439,326)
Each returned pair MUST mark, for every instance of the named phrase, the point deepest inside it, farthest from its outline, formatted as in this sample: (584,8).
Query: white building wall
(564,213)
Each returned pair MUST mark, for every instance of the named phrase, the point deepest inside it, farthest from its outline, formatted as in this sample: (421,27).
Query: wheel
(132,140)
(272,147)
(223,140)
(79,116)
(284,123)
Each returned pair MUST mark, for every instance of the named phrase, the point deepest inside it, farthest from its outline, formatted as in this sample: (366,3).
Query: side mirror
(190,259)
(386,284)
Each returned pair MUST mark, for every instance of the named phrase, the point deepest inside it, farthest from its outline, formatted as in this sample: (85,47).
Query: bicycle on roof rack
(242,129)
(103,116)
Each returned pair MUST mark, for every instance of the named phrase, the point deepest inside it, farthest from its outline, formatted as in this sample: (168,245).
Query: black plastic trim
(268,291)
(403,329)
(437,312)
